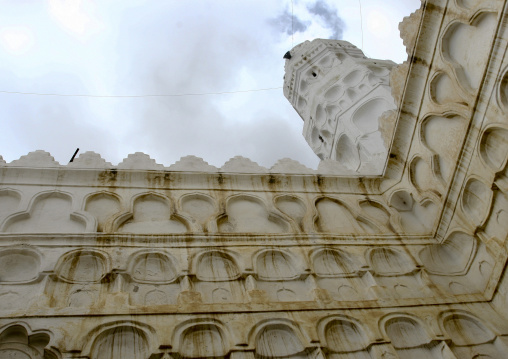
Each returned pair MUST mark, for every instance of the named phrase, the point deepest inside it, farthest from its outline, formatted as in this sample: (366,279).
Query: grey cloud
(55,124)
(168,50)
(288,24)
(209,57)
(330,18)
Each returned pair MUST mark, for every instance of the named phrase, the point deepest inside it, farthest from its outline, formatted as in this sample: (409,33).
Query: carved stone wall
(139,260)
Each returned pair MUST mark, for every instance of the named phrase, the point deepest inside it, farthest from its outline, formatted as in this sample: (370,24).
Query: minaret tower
(340,95)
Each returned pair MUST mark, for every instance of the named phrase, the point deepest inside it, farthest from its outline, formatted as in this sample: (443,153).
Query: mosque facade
(394,247)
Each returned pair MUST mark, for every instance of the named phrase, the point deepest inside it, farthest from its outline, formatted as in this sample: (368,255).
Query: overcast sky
(135,47)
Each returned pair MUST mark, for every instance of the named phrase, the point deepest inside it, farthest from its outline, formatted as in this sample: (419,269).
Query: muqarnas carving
(341,96)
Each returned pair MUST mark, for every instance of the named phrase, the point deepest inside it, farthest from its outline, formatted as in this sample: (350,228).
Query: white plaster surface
(341,96)
(143,261)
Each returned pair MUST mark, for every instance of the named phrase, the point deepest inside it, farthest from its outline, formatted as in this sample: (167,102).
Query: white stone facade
(341,96)
(138,260)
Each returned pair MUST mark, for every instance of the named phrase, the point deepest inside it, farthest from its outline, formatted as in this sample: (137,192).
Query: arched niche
(366,117)
(203,341)
(476,201)
(83,266)
(102,206)
(249,214)
(344,336)
(198,206)
(402,201)
(503,91)
(422,176)
(415,218)
(278,341)
(436,133)
(123,341)
(17,343)
(151,207)
(453,256)
(335,217)
(494,147)
(331,262)
(466,45)
(19,265)
(388,261)
(15,334)
(334,93)
(292,206)
(152,267)
(318,142)
(405,332)
(346,152)
(49,213)
(444,90)
(376,212)
(320,115)
(466,330)
(353,78)
(275,265)
(216,266)
(151,214)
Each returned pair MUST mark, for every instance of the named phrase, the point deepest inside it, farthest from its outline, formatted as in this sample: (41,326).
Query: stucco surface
(402,259)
